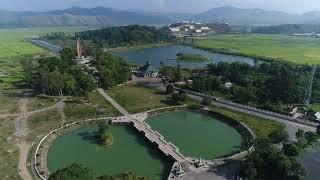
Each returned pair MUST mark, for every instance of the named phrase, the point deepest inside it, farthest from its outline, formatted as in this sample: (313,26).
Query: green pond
(197,134)
(129,152)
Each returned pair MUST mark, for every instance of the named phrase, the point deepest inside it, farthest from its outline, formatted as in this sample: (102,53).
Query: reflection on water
(167,56)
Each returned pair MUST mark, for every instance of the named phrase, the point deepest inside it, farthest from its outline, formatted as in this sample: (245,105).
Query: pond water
(167,56)
(311,161)
(129,153)
(197,134)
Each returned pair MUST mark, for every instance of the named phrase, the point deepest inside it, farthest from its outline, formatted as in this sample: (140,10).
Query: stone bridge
(138,122)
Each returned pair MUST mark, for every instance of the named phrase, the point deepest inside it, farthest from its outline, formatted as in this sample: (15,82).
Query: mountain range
(102,16)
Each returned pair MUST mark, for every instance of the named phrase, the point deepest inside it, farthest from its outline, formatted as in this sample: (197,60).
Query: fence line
(250,108)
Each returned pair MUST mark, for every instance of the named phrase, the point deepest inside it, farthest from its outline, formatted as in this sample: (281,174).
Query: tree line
(288,29)
(58,76)
(127,35)
(118,36)
(276,162)
(80,172)
(266,85)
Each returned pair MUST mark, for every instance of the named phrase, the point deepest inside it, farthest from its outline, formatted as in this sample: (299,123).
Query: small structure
(293,110)
(189,81)
(199,163)
(228,85)
(178,171)
(147,71)
(317,115)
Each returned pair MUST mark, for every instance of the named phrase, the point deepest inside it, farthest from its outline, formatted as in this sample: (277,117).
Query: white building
(228,85)
(198,31)
(205,28)
(317,115)
(175,29)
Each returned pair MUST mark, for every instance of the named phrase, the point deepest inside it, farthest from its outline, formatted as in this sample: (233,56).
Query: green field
(15,46)
(138,98)
(261,127)
(302,50)
(191,57)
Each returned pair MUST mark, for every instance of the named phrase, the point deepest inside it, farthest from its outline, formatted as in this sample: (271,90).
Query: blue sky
(291,6)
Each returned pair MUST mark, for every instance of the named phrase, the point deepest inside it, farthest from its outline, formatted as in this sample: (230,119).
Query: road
(292,127)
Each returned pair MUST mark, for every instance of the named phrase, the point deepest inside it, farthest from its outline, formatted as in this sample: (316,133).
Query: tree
(311,137)
(113,70)
(290,149)
(249,171)
(170,89)
(179,97)
(73,172)
(302,142)
(206,101)
(178,72)
(279,136)
(300,133)
(267,163)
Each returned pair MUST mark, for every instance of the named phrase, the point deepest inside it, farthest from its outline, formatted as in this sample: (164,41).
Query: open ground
(301,50)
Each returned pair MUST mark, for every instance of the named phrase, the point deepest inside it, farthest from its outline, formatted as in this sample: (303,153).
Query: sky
(190,6)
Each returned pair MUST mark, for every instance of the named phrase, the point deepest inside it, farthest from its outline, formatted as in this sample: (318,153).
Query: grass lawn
(9,153)
(137,98)
(15,46)
(315,107)
(300,50)
(191,57)
(94,106)
(40,102)
(260,126)
(40,124)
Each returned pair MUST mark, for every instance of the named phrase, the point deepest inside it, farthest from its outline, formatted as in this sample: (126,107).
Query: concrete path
(113,102)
